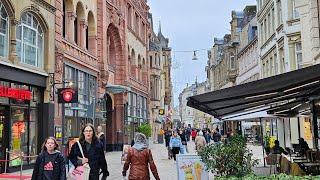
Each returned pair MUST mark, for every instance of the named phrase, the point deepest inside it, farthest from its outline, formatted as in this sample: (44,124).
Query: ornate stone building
(195,118)
(137,34)
(227,54)
(159,57)
(26,61)
(248,53)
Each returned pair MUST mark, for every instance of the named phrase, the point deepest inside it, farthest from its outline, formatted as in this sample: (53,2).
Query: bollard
(21,157)
(5,164)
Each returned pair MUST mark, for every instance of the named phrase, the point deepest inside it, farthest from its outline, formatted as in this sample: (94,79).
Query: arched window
(30,40)
(3,30)
(232,61)
(151,62)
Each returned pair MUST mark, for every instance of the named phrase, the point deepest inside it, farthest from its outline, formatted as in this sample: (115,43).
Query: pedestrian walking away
(193,134)
(93,153)
(101,137)
(200,141)
(50,164)
(138,159)
(167,137)
(183,138)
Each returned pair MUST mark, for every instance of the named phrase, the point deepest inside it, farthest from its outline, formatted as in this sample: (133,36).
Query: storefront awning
(283,94)
(116,89)
(248,116)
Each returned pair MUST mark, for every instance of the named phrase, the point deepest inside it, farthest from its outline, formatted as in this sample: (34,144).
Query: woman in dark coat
(50,164)
(167,137)
(93,153)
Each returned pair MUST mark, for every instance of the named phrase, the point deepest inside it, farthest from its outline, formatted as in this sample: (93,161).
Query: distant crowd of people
(176,140)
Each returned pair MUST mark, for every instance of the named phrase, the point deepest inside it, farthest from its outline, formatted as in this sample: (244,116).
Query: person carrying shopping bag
(50,164)
(89,151)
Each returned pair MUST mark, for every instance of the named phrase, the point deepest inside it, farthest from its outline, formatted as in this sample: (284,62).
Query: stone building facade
(248,54)
(195,118)
(159,54)
(27,55)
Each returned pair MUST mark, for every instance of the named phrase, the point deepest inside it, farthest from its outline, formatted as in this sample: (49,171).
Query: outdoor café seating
(295,164)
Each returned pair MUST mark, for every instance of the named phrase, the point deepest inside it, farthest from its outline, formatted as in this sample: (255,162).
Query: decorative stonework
(45,5)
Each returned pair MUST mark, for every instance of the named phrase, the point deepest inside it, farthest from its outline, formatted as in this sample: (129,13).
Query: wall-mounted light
(52,83)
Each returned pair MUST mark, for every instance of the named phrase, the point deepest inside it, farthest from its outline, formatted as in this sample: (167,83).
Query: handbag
(81,172)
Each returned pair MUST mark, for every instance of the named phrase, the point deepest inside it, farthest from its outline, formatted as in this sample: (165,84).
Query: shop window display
(19,137)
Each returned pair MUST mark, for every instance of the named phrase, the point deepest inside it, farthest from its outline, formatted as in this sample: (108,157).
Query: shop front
(76,115)
(21,106)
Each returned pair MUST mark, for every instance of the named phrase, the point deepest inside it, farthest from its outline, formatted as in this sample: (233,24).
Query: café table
(312,164)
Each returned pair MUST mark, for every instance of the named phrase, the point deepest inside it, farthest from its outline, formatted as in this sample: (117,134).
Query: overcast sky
(192,25)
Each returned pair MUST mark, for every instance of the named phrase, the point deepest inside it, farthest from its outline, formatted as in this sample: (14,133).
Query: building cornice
(263,11)
(251,43)
(45,5)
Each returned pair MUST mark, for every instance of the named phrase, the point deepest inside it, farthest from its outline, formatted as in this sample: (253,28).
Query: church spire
(159,30)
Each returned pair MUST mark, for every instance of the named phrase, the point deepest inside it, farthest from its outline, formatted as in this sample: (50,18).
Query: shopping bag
(80,172)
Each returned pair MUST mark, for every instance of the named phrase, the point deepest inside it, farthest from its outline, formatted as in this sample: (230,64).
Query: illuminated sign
(15,93)
(161,111)
(67,95)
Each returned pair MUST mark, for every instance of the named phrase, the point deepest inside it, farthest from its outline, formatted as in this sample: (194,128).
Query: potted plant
(229,159)
(145,128)
(266,144)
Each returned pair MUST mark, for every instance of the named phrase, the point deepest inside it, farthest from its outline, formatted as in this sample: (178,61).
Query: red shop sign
(15,93)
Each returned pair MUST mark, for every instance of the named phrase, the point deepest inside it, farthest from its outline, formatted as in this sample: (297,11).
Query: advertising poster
(190,167)
(307,130)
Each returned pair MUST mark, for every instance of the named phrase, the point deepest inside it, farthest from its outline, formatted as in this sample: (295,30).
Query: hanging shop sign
(15,93)
(67,95)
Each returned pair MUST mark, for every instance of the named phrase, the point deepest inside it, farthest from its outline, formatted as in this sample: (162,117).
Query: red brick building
(92,52)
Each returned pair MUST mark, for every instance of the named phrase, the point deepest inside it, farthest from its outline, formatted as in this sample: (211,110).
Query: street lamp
(194,56)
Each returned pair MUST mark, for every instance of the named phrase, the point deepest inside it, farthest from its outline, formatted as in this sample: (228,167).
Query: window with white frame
(299,55)
(30,41)
(3,30)
(279,12)
(295,12)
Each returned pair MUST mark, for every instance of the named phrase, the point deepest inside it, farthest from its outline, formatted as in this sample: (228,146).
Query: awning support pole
(315,124)
(261,132)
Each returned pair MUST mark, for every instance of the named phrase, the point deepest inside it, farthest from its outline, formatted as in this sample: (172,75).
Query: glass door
(4,118)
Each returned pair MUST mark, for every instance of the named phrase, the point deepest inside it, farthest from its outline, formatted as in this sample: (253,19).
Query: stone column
(13,42)
(82,33)
(71,16)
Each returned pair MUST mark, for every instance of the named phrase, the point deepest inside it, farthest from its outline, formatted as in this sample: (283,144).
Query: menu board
(190,167)
(307,130)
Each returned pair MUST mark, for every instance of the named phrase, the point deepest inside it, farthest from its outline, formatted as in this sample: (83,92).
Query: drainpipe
(318,7)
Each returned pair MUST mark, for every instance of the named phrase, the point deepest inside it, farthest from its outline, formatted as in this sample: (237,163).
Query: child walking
(50,164)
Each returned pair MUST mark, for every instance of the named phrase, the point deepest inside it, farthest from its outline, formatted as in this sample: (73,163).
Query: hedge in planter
(230,159)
